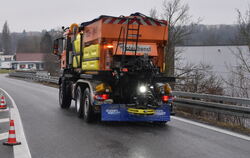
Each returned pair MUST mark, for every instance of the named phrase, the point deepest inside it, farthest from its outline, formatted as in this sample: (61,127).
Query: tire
(64,95)
(87,107)
(79,102)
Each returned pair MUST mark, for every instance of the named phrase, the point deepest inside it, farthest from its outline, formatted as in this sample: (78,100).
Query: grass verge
(204,120)
(4,71)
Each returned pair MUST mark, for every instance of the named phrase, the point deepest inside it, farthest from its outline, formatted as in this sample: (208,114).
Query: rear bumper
(119,112)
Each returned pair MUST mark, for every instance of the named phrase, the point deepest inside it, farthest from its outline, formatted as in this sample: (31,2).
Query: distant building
(29,61)
(6,61)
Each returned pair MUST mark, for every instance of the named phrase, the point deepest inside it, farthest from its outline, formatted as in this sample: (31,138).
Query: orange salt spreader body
(102,41)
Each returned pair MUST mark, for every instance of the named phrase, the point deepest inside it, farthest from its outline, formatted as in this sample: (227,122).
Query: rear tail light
(166,98)
(125,70)
(102,97)
(105,96)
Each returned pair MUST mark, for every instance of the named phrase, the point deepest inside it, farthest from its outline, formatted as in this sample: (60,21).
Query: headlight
(142,89)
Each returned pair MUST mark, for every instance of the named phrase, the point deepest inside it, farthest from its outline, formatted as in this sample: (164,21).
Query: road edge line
(244,137)
(3,110)
(4,120)
(4,136)
(20,151)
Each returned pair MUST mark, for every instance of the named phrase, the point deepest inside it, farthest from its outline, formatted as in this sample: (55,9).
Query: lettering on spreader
(113,111)
(160,112)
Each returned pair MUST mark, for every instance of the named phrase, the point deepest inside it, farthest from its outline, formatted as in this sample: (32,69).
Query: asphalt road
(55,133)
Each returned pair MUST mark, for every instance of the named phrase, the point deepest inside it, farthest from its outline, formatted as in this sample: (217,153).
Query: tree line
(26,42)
(212,35)
(31,42)
(35,42)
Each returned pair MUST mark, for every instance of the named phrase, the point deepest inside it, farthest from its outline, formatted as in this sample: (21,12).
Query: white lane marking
(20,151)
(4,120)
(213,128)
(4,136)
(3,110)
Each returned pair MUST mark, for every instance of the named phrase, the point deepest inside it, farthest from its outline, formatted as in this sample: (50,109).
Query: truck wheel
(79,102)
(88,108)
(64,95)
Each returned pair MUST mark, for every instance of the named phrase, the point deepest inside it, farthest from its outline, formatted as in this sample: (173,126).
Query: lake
(220,57)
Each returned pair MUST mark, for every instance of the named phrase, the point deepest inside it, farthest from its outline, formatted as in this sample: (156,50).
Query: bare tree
(239,82)
(28,43)
(244,26)
(244,34)
(198,79)
(177,15)
(153,13)
(6,39)
(46,43)
(51,63)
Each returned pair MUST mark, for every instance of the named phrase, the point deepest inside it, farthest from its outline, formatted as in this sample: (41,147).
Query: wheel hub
(86,106)
(78,102)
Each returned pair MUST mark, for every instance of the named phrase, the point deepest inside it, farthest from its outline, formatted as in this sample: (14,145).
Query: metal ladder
(129,34)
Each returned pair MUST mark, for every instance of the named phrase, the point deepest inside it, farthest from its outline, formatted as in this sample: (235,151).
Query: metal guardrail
(215,103)
(222,104)
(36,77)
(219,98)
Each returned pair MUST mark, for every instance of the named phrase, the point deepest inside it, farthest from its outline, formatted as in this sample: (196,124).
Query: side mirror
(56,47)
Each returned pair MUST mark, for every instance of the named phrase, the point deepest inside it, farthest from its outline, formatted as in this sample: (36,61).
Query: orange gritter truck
(113,67)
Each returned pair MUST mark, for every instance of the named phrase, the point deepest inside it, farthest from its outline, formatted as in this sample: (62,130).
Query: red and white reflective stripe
(3,102)
(116,21)
(107,20)
(121,21)
(12,136)
(12,128)
(134,21)
(12,132)
(142,21)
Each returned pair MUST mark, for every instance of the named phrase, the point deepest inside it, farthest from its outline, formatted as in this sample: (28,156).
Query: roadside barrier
(215,103)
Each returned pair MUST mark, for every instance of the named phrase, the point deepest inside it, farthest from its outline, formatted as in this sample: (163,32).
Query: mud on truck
(113,67)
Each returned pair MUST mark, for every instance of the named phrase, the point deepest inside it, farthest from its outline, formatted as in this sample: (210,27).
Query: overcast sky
(36,15)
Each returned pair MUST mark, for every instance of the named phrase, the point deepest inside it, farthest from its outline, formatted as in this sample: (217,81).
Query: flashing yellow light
(167,88)
(109,46)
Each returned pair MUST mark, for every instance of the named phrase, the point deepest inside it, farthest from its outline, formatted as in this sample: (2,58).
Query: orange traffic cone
(12,135)
(3,104)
